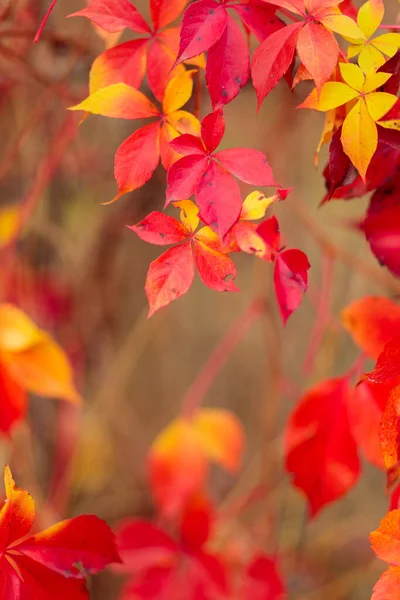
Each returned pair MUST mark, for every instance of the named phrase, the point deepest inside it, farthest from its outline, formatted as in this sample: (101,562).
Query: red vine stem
(219,357)
(43,23)
(323,313)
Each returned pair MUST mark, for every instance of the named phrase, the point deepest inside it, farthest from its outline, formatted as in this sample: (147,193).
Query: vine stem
(219,357)
(43,23)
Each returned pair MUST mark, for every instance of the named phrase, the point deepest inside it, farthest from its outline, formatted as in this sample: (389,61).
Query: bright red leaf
(54,563)
(320,449)
(387,368)
(208,174)
(263,581)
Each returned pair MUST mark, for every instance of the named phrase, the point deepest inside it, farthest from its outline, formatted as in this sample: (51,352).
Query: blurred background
(79,272)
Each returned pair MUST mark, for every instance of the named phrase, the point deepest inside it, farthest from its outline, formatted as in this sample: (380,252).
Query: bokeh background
(79,272)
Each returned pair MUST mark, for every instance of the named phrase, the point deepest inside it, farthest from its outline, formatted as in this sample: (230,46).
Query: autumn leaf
(263,580)
(388,586)
(138,156)
(207,174)
(372,321)
(387,368)
(290,280)
(179,457)
(171,274)
(160,566)
(45,565)
(366,106)
(373,52)
(316,45)
(320,449)
(30,361)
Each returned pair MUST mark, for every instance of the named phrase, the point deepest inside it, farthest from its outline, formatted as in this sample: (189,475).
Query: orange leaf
(17,330)
(372,321)
(388,585)
(385,540)
(17,513)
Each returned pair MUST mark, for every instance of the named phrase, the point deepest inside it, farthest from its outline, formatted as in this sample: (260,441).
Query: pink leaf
(218,197)
(247,164)
(213,129)
(228,67)
(203,24)
(160,229)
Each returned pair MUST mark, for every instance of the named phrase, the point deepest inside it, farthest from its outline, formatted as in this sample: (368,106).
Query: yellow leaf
(118,101)
(43,369)
(374,81)
(184,122)
(379,103)
(352,75)
(333,94)
(370,59)
(392,124)
(359,137)
(188,215)
(178,92)
(9,222)
(17,331)
(255,206)
(388,43)
(342,25)
(370,16)
(330,125)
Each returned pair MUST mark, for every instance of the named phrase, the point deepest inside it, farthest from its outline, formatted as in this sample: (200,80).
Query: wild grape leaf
(179,457)
(320,449)
(313,38)
(290,280)
(45,565)
(388,585)
(372,321)
(387,368)
(171,275)
(389,434)
(138,156)
(30,361)
(385,540)
(129,61)
(208,174)
(161,567)
(373,52)
(359,130)
(263,581)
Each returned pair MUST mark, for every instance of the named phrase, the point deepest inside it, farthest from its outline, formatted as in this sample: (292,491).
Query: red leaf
(387,369)
(385,541)
(268,230)
(137,158)
(213,129)
(247,164)
(388,585)
(290,280)
(184,176)
(188,144)
(390,436)
(215,268)
(13,401)
(218,197)
(160,60)
(124,63)
(263,582)
(320,450)
(203,24)
(114,16)
(228,68)
(318,51)
(382,231)
(170,276)
(160,229)
(196,522)
(366,405)
(163,12)
(372,321)
(272,59)
(86,541)
(260,18)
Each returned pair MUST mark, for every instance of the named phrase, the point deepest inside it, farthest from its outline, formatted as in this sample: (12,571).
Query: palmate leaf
(171,274)
(359,134)
(44,565)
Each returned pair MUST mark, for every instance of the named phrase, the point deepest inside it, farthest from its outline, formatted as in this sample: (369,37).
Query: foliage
(181,553)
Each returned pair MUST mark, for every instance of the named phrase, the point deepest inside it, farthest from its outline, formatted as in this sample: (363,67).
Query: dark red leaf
(290,280)
(160,229)
(213,129)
